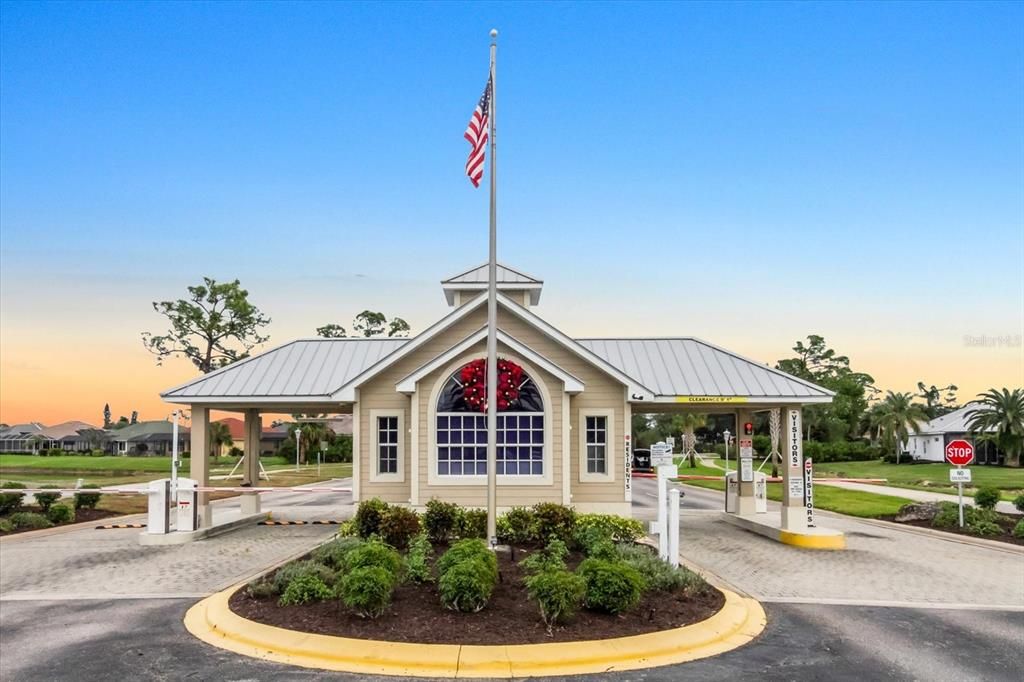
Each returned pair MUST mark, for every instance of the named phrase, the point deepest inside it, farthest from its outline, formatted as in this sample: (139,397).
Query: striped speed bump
(298,523)
(121,525)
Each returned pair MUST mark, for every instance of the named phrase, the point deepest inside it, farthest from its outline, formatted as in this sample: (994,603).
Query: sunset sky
(745,173)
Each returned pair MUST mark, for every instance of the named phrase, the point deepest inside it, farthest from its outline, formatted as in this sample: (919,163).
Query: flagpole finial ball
(494,33)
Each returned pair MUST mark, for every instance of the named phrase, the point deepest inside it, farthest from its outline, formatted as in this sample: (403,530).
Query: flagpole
(492,320)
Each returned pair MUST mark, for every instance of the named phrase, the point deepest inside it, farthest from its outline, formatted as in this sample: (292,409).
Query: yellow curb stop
(739,621)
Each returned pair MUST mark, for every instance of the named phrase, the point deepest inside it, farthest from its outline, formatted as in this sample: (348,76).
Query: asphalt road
(145,640)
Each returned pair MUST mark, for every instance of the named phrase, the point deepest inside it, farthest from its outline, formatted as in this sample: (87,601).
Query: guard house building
(565,404)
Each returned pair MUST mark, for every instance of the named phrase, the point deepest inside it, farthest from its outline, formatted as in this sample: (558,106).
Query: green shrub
(466,550)
(441,520)
(467,585)
(1018,503)
(304,589)
(29,521)
(60,513)
(558,593)
(551,558)
(369,515)
(1018,530)
(617,528)
(398,526)
(417,561)
(87,500)
(367,590)
(333,553)
(516,526)
(374,553)
(948,515)
(986,497)
(658,575)
(45,500)
(11,502)
(473,524)
(554,521)
(260,589)
(6,526)
(612,586)
(297,569)
(347,529)
(595,541)
(981,527)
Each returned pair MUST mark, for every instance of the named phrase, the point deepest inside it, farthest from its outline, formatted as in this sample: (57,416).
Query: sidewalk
(916,495)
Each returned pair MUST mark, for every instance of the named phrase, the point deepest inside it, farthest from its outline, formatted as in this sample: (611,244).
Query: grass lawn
(932,477)
(110,471)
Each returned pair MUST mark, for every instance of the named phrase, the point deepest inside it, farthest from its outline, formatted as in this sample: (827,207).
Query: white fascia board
(728,401)
(347,394)
(408,383)
(262,399)
(637,391)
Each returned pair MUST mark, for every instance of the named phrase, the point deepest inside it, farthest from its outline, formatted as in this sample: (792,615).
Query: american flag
(476,134)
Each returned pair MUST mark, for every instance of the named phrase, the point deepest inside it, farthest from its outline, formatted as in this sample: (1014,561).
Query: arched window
(462,423)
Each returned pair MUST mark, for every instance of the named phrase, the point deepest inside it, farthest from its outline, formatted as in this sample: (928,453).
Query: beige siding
(602,391)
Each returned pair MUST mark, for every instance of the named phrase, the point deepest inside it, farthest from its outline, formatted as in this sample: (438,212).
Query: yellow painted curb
(837,541)
(740,620)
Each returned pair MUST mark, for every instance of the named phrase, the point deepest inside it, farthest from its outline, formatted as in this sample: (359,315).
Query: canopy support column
(199,463)
(251,471)
(794,516)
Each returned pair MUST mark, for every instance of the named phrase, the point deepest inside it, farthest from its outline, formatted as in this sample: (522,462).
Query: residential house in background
(929,442)
(33,437)
(147,438)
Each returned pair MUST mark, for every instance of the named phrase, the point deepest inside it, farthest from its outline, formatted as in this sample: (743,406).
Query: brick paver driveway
(881,565)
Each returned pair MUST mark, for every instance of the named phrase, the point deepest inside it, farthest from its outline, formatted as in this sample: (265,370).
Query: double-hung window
(596,438)
(387,450)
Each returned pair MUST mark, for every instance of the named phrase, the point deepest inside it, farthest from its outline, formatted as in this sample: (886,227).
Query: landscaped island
(394,575)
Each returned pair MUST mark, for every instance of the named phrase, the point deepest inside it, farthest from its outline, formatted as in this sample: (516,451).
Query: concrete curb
(81,525)
(739,621)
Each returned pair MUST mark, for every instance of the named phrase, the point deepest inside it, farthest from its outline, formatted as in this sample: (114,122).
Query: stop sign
(959,453)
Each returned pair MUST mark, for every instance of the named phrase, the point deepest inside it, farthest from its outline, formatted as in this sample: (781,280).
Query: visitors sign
(959,452)
(809,491)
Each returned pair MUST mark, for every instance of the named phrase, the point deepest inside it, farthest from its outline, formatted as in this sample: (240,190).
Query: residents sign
(959,453)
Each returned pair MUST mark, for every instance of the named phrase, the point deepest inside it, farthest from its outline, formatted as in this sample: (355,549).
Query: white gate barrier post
(188,510)
(159,518)
(673,527)
(663,474)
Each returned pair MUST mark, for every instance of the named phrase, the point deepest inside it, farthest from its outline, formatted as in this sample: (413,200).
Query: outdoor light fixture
(748,429)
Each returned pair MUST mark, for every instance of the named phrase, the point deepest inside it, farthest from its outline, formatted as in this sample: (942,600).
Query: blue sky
(748,173)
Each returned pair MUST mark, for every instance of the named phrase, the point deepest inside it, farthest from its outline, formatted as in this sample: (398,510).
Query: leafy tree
(215,326)
(96,438)
(331,331)
(367,324)
(896,416)
(106,416)
(819,364)
(938,401)
(220,437)
(1001,412)
(122,422)
(689,422)
(313,433)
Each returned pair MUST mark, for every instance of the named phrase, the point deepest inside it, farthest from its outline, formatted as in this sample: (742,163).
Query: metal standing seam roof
(307,367)
(953,422)
(478,275)
(691,367)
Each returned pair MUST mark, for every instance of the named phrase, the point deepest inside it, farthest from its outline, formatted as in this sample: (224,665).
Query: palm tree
(313,433)
(220,437)
(896,416)
(688,422)
(1001,414)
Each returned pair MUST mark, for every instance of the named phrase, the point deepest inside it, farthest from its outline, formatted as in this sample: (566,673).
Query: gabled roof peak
(508,279)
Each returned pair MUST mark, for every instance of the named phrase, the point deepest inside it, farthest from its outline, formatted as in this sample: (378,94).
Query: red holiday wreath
(474,384)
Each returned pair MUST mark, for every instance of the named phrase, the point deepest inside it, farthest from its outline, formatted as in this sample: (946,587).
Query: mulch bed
(416,615)
(81,516)
(1005,521)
